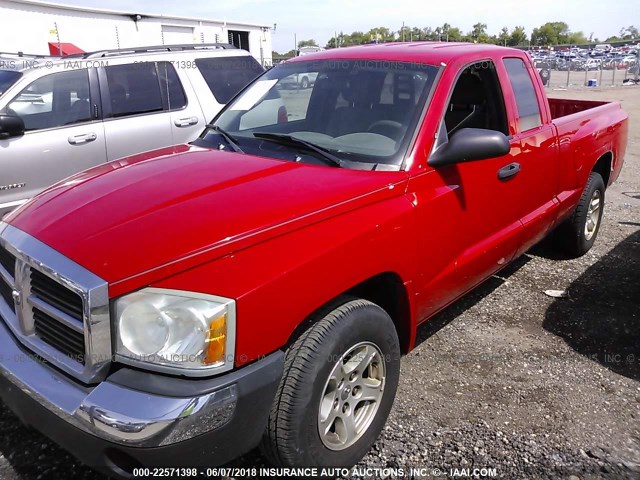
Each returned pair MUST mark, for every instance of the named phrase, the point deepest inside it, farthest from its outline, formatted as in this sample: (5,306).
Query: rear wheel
(304,83)
(338,387)
(578,233)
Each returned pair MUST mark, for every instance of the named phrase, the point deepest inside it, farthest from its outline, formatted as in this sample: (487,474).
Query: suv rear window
(226,76)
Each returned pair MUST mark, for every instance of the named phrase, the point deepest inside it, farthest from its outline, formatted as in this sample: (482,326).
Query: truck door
(468,212)
(539,151)
(63,135)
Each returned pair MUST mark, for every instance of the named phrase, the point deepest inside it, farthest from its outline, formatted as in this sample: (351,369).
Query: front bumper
(135,418)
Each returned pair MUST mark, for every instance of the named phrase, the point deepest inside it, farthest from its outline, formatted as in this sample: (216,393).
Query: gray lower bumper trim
(114,412)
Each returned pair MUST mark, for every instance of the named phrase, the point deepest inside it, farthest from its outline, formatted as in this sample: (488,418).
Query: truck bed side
(589,132)
(562,107)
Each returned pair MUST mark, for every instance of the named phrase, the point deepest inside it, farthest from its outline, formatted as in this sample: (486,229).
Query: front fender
(280,282)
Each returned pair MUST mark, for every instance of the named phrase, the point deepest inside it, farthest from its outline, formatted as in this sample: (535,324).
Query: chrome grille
(54,307)
(70,342)
(8,261)
(56,295)
(6,294)
(7,271)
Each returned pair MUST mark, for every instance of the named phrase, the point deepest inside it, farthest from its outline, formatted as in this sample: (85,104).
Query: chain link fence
(589,72)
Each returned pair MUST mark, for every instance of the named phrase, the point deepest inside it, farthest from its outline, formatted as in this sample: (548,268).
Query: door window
(55,100)
(134,89)
(477,101)
(171,86)
(147,87)
(526,98)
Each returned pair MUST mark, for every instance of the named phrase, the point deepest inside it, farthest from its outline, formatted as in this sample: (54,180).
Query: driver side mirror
(10,126)
(469,144)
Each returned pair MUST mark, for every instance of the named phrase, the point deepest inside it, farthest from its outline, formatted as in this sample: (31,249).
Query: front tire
(338,386)
(578,233)
(304,83)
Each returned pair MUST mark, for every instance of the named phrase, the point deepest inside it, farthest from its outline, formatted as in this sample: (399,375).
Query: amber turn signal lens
(215,343)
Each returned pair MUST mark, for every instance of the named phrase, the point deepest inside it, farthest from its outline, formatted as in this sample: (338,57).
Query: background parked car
(302,81)
(544,70)
(89,109)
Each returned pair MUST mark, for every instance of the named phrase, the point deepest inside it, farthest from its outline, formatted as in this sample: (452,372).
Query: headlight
(175,331)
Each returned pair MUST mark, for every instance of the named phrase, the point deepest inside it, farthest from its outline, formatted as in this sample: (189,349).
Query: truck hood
(182,206)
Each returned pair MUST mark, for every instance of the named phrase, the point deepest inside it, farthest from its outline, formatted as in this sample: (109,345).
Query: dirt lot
(507,378)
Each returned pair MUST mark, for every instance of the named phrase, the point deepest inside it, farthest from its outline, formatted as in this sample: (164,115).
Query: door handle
(84,138)
(508,171)
(186,122)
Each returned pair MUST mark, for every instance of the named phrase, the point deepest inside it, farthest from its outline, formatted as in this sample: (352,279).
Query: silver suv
(59,116)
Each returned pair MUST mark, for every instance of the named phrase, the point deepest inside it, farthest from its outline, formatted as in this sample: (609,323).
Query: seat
(467,108)
(80,109)
(358,115)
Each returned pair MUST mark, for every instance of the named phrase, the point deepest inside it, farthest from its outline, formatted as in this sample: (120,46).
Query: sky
(319,20)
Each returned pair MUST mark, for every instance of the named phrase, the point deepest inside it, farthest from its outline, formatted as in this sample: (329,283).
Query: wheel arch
(386,290)
(603,167)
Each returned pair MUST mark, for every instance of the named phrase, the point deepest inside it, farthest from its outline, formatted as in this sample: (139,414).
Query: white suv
(61,116)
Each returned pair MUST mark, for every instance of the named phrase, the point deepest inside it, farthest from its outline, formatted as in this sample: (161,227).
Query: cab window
(525,94)
(477,101)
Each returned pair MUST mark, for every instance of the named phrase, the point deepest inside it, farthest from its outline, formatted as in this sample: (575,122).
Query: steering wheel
(388,128)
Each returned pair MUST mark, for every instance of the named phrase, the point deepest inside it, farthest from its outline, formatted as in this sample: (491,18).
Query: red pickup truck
(258,286)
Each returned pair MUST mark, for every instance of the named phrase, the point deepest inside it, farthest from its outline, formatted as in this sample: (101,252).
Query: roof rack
(152,49)
(26,55)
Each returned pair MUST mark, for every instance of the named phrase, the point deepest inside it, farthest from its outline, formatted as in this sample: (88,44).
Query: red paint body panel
(190,206)
(285,238)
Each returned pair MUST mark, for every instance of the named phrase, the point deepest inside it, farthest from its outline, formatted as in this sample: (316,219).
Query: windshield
(360,111)
(8,78)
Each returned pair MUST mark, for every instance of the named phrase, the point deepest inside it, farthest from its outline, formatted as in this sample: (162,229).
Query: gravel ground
(507,378)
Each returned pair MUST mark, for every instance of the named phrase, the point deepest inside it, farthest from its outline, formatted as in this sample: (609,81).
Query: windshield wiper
(285,139)
(230,139)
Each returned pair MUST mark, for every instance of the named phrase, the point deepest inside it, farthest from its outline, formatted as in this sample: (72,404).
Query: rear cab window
(226,76)
(529,116)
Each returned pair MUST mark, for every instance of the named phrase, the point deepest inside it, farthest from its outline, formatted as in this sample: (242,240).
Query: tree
(518,37)
(479,33)
(307,43)
(381,35)
(629,33)
(355,38)
(416,34)
(503,37)
(577,38)
(552,33)
(289,54)
(427,34)
(455,34)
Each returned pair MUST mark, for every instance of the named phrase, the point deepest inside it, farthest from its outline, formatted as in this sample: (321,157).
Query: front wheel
(578,233)
(338,386)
